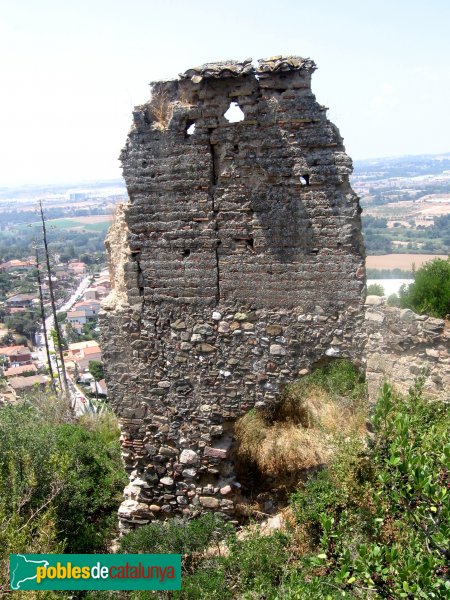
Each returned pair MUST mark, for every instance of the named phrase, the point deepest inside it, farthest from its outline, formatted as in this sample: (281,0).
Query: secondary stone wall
(243,266)
(402,346)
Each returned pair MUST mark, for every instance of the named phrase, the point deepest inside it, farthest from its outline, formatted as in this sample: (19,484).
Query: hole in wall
(234,114)
(304,179)
(245,242)
(186,253)
(144,163)
(190,128)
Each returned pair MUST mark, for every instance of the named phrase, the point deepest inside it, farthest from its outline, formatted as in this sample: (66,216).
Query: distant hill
(402,166)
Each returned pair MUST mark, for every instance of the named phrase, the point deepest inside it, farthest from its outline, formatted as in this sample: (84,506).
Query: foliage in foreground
(430,292)
(60,482)
(374,524)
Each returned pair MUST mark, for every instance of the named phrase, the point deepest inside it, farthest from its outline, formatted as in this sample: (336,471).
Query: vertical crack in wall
(139,275)
(213,184)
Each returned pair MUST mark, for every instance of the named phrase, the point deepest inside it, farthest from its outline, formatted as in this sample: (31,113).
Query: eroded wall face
(243,266)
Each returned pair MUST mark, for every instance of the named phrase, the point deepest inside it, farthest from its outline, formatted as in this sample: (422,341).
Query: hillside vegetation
(372,522)
(60,482)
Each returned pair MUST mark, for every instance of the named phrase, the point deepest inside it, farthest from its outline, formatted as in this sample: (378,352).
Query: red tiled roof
(19,370)
(8,350)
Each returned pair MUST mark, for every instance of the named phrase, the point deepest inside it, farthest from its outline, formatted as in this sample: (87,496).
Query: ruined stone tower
(237,264)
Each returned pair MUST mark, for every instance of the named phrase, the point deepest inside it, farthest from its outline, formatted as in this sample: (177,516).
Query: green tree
(393,300)
(25,323)
(96,369)
(97,372)
(430,292)
(54,335)
(70,333)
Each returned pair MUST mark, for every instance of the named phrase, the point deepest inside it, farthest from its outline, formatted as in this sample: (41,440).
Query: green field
(70,224)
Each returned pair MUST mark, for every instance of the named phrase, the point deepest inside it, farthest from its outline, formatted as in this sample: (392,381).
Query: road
(79,407)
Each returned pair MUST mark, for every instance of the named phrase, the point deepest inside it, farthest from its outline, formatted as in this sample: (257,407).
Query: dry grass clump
(161,109)
(288,448)
(302,433)
(317,409)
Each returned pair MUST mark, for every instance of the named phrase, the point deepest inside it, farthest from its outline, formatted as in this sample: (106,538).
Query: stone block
(209,502)
(214,452)
(277,350)
(188,457)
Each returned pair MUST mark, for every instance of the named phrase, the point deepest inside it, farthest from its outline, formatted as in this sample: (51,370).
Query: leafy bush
(177,536)
(393,300)
(388,530)
(86,507)
(430,292)
(375,289)
(60,484)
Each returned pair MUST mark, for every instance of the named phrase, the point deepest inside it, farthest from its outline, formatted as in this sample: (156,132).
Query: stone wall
(241,264)
(402,346)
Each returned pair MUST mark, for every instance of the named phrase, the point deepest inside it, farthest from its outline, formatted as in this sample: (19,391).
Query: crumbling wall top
(233,68)
(219,70)
(285,63)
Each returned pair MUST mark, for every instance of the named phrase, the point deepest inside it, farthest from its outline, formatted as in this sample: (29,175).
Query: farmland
(404,262)
(82,224)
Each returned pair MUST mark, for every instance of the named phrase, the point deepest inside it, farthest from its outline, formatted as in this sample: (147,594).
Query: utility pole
(52,300)
(44,325)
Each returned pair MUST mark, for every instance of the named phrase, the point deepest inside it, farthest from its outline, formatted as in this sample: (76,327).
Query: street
(76,394)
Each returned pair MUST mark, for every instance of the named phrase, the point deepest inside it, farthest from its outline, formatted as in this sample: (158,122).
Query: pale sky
(71,71)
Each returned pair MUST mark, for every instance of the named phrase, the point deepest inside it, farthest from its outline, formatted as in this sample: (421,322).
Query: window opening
(304,179)
(234,113)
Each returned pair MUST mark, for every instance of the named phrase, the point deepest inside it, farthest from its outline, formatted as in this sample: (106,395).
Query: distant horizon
(73,72)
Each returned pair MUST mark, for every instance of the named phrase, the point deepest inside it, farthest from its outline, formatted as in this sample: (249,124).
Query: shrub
(177,536)
(430,292)
(86,507)
(381,523)
(339,378)
(60,485)
(160,108)
(375,289)
(393,300)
